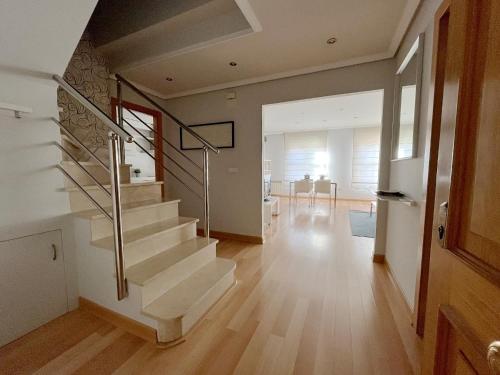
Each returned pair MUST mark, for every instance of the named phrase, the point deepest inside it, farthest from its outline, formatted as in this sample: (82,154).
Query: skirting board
(400,292)
(233,236)
(136,328)
(380,258)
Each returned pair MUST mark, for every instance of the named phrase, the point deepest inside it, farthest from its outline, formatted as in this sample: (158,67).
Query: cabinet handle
(494,357)
(54,252)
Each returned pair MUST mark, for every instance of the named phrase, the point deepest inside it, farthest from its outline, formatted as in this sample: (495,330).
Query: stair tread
(122,185)
(146,270)
(146,231)
(89,163)
(176,302)
(126,207)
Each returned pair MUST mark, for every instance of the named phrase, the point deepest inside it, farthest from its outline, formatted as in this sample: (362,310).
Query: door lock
(442,222)
(441,232)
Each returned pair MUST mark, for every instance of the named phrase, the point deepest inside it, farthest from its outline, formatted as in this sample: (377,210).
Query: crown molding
(281,75)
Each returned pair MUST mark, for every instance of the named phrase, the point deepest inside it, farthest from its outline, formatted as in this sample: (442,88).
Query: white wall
(37,39)
(274,150)
(236,198)
(404,237)
(340,150)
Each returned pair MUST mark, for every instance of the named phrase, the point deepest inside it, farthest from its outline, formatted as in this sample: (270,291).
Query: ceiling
(357,110)
(194,43)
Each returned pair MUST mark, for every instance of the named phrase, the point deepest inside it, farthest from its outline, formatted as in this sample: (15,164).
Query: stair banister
(206,146)
(199,138)
(94,109)
(114,166)
(116,134)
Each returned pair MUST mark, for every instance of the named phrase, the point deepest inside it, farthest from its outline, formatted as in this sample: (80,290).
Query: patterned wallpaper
(88,73)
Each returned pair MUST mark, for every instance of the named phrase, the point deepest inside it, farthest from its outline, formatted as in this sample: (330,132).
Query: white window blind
(365,159)
(306,153)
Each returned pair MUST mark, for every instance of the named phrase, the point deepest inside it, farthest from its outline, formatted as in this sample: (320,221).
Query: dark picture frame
(188,142)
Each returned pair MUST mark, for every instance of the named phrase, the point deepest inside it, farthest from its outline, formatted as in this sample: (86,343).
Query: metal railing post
(206,198)
(121,282)
(120,119)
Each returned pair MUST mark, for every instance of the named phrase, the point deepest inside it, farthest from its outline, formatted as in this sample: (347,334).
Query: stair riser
(80,202)
(102,227)
(177,273)
(138,251)
(173,330)
(97,171)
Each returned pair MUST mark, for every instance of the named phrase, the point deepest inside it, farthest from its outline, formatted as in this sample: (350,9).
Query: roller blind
(365,161)
(306,153)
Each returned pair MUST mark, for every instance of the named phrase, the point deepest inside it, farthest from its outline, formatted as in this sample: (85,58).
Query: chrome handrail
(84,192)
(164,154)
(205,147)
(93,108)
(167,170)
(114,166)
(80,144)
(162,137)
(116,133)
(202,140)
(82,168)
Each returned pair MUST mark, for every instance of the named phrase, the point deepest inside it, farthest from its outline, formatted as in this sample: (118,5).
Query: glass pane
(408,95)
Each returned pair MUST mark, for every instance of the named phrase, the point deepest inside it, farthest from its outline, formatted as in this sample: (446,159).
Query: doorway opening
(322,152)
(148,133)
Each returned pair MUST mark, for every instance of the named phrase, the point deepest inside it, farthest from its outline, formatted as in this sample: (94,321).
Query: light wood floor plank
(308,301)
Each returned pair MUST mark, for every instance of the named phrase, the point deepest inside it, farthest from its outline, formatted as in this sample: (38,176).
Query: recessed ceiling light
(332,40)
(169,79)
(233,63)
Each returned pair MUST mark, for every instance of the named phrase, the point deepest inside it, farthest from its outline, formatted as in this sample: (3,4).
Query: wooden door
(463,306)
(32,283)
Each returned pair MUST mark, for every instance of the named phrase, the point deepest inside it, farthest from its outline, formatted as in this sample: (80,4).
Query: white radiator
(280,188)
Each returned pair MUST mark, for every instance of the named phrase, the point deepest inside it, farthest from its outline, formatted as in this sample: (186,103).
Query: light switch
(233,170)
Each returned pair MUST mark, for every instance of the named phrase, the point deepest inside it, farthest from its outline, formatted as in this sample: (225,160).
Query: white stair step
(135,192)
(182,306)
(95,170)
(147,231)
(126,207)
(164,271)
(144,272)
(149,240)
(90,188)
(134,214)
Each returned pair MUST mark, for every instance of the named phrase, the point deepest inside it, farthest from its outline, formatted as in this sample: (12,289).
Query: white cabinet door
(32,283)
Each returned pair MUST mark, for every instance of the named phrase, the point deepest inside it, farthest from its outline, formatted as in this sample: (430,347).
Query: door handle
(494,357)
(54,252)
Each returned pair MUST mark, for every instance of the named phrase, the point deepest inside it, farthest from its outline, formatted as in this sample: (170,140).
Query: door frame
(158,126)
(431,155)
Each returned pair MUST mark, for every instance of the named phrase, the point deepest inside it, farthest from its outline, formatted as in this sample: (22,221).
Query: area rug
(362,224)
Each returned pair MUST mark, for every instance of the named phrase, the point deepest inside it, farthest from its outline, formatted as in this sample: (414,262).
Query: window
(365,158)
(306,153)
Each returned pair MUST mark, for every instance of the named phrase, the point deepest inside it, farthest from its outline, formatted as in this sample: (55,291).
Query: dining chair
(323,187)
(304,187)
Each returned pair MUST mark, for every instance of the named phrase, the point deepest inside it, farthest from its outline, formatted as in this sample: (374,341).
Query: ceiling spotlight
(169,79)
(233,63)
(332,40)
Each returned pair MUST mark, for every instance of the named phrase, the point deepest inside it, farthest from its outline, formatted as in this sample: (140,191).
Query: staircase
(131,242)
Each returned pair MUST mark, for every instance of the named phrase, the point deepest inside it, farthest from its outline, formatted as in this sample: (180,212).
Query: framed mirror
(407,103)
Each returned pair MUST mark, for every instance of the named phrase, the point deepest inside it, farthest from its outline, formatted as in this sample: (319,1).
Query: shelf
(403,200)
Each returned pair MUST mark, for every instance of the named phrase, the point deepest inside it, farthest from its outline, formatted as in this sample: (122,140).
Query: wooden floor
(309,301)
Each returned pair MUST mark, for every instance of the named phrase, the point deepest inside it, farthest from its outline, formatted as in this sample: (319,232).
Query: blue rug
(362,224)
